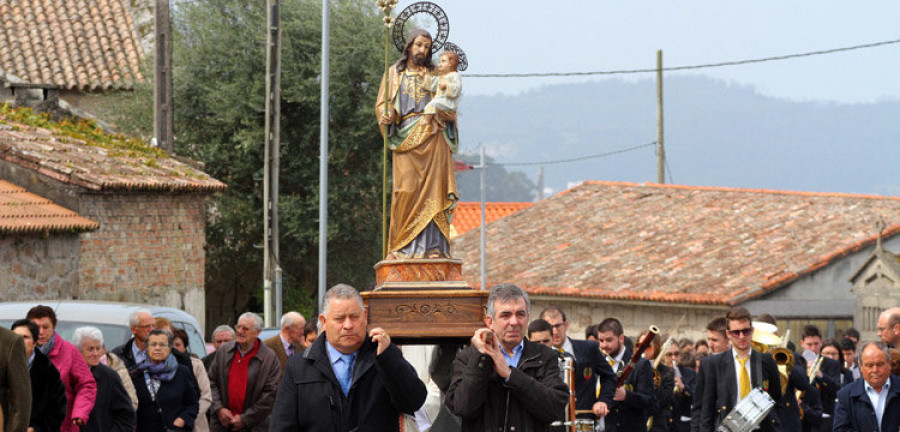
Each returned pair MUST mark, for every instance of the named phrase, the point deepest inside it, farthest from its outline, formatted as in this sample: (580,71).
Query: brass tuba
(765,340)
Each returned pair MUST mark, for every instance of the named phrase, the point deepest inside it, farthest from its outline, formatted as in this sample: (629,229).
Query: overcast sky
(523,36)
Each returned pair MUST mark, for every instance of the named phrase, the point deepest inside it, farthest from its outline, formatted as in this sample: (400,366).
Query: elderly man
(135,350)
(872,403)
(347,380)
(243,379)
(221,335)
(290,339)
(889,327)
(590,366)
(502,379)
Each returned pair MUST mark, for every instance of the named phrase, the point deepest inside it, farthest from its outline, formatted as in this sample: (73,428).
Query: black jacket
(175,398)
(854,411)
(532,397)
(665,396)
(590,365)
(112,408)
(48,403)
(681,405)
(310,398)
(720,392)
(632,413)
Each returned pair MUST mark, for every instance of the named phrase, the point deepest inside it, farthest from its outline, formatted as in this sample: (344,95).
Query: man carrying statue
(424,185)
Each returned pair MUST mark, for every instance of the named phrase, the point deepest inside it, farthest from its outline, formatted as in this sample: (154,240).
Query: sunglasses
(740,332)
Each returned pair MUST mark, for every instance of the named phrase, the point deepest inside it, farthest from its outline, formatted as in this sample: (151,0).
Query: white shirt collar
(886,386)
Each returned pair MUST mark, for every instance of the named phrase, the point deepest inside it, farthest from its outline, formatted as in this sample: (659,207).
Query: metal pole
(278,293)
(272,160)
(483,223)
(323,158)
(660,148)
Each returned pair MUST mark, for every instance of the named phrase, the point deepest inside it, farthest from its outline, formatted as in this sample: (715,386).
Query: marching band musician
(635,399)
(717,341)
(827,378)
(664,389)
(589,365)
(685,379)
(540,332)
(728,377)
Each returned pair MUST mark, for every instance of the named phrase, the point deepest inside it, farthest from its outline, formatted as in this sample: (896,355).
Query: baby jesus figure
(446,86)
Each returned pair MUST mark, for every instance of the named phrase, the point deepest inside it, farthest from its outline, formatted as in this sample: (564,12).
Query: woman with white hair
(112,408)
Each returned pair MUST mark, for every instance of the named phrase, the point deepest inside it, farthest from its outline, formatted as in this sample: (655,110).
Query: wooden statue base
(424,301)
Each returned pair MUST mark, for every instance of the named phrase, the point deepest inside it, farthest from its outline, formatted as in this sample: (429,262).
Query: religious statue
(424,185)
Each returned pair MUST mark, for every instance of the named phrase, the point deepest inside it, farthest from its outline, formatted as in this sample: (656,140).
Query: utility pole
(271,264)
(483,168)
(660,148)
(323,155)
(163,117)
(540,185)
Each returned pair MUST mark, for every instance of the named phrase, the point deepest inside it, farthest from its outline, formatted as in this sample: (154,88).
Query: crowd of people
(516,374)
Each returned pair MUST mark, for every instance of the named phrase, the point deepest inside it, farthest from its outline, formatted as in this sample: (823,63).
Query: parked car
(110,317)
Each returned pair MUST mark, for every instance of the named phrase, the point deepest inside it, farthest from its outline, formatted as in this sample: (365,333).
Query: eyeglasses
(741,332)
(558,326)
(158,345)
(671,354)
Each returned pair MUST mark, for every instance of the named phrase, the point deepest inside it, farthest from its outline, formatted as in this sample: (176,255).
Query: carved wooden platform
(420,274)
(427,316)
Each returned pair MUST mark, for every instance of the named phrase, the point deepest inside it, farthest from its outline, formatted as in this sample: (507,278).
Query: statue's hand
(386,118)
(447,116)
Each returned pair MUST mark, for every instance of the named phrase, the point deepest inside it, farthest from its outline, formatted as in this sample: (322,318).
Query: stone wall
(149,249)
(635,316)
(37,267)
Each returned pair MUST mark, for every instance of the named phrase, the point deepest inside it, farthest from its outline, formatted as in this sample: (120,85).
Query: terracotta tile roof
(23,212)
(80,155)
(74,44)
(667,243)
(467,215)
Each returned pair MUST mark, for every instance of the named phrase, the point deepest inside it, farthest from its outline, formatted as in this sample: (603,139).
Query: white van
(110,317)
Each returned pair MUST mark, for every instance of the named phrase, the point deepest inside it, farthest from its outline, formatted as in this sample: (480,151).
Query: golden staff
(386,6)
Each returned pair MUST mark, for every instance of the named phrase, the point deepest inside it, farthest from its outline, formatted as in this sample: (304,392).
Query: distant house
(467,215)
(650,254)
(140,234)
(62,56)
(876,287)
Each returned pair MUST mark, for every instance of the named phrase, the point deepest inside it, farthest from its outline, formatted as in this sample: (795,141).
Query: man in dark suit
(872,403)
(290,339)
(589,365)
(685,381)
(635,399)
(729,376)
(48,394)
(828,377)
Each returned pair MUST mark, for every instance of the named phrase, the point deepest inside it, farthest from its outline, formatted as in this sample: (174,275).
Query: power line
(679,68)
(575,159)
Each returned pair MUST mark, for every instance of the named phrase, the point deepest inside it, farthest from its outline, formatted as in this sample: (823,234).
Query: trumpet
(765,340)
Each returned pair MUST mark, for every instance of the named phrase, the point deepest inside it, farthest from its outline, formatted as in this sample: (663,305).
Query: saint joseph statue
(424,192)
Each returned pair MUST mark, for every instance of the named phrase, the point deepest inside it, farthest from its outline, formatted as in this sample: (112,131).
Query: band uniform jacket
(665,396)
(720,389)
(681,405)
(310,397)
(789,414)
(854,410)
(590,365)
(640,401)
(532,397)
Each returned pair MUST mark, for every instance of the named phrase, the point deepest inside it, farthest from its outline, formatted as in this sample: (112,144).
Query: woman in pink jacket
(81,389)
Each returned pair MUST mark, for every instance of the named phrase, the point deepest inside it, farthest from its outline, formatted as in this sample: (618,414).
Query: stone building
(652,254)
(876,287)
(150,208)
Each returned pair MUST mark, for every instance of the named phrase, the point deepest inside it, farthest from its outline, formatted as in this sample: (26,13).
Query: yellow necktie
(744,379)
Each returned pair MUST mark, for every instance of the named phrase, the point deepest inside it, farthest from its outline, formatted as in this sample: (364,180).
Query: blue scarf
(163,371)
(47,347)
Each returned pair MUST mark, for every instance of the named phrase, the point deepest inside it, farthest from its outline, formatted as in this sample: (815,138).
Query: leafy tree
(500,185)
(219,72)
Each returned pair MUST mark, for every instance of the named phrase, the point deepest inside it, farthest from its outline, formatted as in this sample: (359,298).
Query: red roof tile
(82,156)
(74,44)
(666,243)
(23,212)
(467,215)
